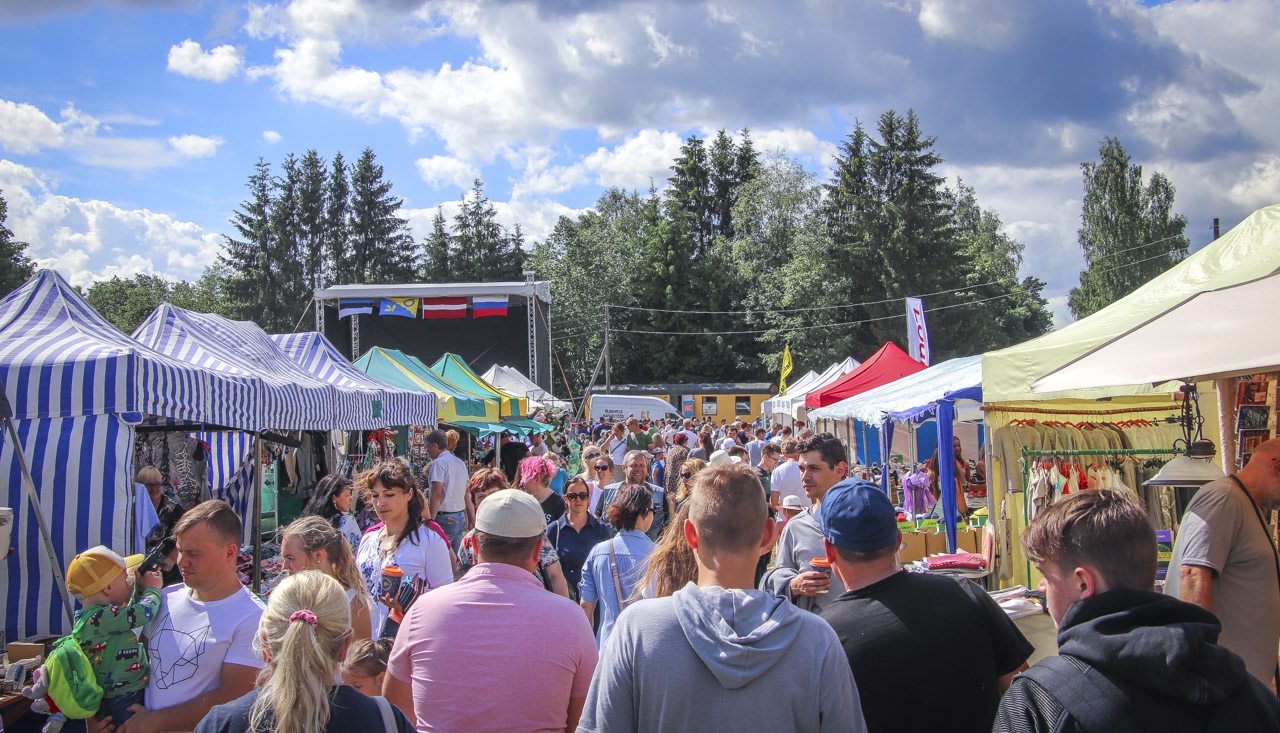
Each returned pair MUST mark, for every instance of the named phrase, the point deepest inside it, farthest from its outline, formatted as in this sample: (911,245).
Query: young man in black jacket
(1130,659)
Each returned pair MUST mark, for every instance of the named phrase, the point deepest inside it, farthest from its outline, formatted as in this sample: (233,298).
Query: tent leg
(257,512)
(34,498)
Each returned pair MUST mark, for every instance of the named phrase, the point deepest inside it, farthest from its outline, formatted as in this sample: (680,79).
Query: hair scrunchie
(305,615)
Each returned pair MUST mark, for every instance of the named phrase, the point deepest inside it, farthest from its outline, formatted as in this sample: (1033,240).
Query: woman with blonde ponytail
(304,635)
(311,543)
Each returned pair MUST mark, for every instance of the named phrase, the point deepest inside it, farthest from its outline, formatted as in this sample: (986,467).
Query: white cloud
(93,240)
(441,170)
(25,129)
(989,25)
(536,217)
(639,160)
(195,146)
(270,137)
(216,65)
(796,142)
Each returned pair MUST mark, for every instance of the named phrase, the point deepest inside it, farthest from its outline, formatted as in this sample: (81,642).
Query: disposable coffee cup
(392,576)
(821,565)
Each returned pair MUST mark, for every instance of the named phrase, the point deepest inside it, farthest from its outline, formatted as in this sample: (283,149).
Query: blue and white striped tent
(298,399)
(313,352)
(77,388)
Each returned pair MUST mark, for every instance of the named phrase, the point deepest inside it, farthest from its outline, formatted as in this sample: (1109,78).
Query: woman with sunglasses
(602,476)
(574,534)
(690,469)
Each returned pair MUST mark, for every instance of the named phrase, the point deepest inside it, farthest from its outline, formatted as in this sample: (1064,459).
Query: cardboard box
(936,543)
(915,547)
(970,541)
(20,650)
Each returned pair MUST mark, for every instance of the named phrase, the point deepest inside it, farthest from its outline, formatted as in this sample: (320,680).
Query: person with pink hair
(534,477)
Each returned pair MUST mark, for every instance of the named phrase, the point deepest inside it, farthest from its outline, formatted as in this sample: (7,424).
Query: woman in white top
(402,539)
(310,543)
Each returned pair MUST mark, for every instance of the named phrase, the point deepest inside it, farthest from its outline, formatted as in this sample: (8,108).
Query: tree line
(741,255)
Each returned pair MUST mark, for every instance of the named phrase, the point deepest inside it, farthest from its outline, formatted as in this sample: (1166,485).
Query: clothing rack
(1029,455)
(1050,411)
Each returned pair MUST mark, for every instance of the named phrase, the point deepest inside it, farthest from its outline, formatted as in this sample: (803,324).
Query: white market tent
(79,389)
(767,405)
(935,393)
(510,379)
(1207,336)
(792,402)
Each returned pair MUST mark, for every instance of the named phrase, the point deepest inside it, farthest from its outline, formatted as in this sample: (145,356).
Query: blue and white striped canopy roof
(292,398)
(60,358)
(313,352)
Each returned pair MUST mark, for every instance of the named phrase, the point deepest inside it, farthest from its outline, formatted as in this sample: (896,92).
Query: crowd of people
(687,578)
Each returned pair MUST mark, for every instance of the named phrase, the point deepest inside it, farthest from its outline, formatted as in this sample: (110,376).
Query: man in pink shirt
(495,651)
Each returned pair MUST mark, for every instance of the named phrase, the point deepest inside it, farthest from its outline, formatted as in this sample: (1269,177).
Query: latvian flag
(355,307)
(489,305)
(444,307)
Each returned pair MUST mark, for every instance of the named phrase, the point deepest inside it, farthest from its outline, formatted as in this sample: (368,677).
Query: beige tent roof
(1249,251)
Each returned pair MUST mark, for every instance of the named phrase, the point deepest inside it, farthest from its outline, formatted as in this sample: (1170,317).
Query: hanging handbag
(617,581)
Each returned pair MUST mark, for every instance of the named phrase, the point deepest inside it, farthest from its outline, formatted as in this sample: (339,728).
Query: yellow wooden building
(716,401)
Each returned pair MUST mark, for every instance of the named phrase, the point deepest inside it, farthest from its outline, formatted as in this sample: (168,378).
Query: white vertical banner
(917,331)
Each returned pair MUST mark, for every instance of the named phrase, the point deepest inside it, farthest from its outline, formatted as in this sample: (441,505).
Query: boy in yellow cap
(106,628)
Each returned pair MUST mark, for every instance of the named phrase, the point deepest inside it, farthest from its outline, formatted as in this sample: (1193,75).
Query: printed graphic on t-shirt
(175,655)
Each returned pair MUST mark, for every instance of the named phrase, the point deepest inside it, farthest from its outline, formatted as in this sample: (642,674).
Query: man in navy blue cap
(891,621)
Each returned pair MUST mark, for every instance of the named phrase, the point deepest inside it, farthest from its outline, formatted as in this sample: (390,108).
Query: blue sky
(128,127)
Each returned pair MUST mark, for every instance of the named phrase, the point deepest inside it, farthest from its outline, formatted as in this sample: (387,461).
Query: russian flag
(488,305)
(444,307)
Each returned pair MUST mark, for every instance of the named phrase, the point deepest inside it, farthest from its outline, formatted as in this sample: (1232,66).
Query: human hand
(99,725)
(151,579)
(391,602)
(143,721)
(810,583)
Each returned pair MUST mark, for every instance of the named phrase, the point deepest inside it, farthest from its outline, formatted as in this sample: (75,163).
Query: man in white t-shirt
(201,642)
(785,480)
(537,446)
(447,476)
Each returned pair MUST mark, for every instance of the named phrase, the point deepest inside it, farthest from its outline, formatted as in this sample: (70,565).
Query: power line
(784,329)
(894,300)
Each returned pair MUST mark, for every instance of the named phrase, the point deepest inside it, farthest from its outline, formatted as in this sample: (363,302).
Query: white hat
(791,501)
(511,513)
(721,457)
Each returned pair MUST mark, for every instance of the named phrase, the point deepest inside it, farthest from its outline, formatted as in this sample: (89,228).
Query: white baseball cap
(511,513)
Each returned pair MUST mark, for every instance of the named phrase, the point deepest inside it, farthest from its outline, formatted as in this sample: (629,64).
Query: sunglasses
(577,496)
(685,475)
(602,467)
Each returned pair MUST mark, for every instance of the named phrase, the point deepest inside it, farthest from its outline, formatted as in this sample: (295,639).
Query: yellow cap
(95,568)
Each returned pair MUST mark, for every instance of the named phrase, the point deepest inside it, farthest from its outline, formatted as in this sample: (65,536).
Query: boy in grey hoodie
(720,655)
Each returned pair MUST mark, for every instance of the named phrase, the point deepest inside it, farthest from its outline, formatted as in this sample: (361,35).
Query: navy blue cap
(856,515)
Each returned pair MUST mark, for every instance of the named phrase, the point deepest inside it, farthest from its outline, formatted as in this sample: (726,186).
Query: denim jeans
(117,707)
(454,525)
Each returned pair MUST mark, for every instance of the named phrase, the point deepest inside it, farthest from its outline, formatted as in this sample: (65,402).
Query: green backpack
(73,686)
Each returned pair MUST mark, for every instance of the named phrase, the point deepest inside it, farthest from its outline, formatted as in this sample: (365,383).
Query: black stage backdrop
(481,342)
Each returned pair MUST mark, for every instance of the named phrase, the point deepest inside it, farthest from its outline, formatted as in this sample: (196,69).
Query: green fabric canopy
(1250,250)
(398,369)
(454,369)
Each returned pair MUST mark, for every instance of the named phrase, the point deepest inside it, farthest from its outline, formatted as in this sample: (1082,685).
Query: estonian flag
(404,307)
(355,307)
(488,305)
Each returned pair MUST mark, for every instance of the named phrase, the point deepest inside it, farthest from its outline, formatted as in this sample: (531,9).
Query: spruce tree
(482,250)
(310,220)
(1128,230)
(437,267)
(257,288)
(381,249)
(337,229)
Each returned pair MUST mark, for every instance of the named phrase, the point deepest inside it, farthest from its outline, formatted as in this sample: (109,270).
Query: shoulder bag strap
(617,582)
(388,717)
(1094,701)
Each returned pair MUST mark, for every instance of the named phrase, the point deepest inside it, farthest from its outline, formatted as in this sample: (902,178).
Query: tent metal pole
(257,511)
(34,498)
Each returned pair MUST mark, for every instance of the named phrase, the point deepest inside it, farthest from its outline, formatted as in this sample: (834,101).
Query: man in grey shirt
(823,464)
(720,655)
(1224,560)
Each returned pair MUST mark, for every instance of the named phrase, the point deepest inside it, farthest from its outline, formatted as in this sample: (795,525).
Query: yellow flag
(786,369)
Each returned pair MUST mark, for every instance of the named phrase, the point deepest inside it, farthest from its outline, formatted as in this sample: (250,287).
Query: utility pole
(608,381)
(1215,228)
